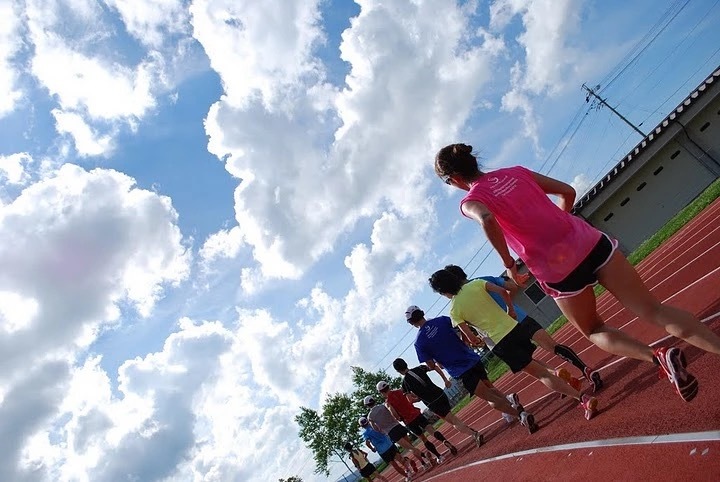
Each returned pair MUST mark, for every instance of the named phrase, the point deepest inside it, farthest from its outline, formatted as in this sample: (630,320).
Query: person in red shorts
(414,420)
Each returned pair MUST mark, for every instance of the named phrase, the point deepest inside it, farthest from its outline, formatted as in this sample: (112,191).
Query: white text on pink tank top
(549,240)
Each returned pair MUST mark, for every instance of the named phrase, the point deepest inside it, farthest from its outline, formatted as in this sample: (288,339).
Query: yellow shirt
(474,305)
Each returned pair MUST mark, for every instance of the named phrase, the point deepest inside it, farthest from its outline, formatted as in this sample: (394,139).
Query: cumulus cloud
(77,55)
(344,153)
(87,141)
(152,21)
(77,243)
(10,44)
(552,59)
(75,246)
(581,183)
(14,169)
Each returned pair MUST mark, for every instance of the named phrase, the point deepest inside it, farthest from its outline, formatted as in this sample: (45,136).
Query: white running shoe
(528,421)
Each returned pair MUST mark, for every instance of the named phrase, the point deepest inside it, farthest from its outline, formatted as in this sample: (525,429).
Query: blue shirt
(496,280)
(436,340)
(380,441)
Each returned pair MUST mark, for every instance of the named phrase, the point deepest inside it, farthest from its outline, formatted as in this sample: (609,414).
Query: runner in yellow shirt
(472,304)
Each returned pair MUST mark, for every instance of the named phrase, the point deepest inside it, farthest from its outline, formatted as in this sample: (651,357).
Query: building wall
(664,185)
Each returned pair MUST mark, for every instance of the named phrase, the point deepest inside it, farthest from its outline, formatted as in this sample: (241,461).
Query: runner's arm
(480,213)
(412,398)
(552,186)
(473,339)
(431,364)
(375,427)
(490,287)
(394,413)
(370,445)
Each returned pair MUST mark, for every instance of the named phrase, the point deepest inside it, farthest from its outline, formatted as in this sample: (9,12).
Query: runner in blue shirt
(381,443)
(436,341)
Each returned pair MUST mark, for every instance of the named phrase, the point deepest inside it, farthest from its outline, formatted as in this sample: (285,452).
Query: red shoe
(571,380)
(672,364)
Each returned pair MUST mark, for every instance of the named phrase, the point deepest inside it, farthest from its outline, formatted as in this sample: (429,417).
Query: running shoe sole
(672,362)
(589,404)
(529,423)
(515,402)
(594,378)
(479,439)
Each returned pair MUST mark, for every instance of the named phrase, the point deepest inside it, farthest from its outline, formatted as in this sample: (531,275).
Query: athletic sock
(429,445)
(567,354)
(439,436)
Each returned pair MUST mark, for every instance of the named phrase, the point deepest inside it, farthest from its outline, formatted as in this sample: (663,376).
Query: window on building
(674,154)
(535,293)
(704,126)
(641,186)
(625,201)
(657,171)
(607,218)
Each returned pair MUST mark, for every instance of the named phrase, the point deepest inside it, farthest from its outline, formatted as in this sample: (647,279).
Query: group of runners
(567,256)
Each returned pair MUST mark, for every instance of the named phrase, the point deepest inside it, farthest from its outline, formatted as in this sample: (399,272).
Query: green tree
(292,478)
(366,383)
(326,432)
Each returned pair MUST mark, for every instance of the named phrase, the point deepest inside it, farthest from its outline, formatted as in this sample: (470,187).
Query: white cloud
(99,90)
(10,44)
(271,44)
(87,142)
(104,89)
(77,244)
(581,183)
(152,21)
(363,150)
(14,168)
(552,59)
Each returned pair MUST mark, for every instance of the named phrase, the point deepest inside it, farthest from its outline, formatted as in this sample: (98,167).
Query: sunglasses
(446,178)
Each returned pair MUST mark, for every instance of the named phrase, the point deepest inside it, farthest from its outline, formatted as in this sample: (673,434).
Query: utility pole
(591,92)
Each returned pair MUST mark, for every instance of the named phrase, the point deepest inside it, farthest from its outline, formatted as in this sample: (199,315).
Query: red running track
(635,405)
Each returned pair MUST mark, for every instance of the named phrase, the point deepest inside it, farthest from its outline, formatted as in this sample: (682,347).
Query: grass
(710,194)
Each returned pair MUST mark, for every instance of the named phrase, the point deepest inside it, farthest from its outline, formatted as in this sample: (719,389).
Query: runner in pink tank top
(551,241)
(568,257)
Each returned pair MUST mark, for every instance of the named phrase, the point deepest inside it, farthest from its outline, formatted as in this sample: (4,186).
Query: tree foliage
(325,432)
(365,383)
(292,478)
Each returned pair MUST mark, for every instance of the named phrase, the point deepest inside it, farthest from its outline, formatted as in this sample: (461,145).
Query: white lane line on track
(711,436)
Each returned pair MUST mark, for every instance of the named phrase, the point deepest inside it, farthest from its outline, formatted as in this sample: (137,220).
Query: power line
(665,58)
(636,55)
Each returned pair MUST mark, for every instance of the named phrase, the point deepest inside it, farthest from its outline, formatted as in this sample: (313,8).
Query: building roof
(647,141)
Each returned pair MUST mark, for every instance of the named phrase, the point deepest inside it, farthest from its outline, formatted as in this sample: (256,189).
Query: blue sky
(210,210)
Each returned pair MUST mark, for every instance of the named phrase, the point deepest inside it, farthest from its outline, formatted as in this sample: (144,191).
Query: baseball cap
(382,385)
(363,421)
(369,400)
(410,311)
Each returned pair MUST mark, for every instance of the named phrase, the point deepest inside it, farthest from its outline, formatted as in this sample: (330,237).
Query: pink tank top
(550,241)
